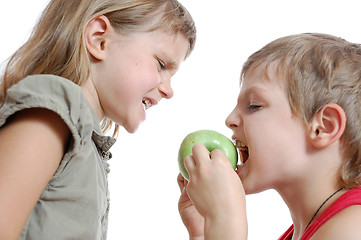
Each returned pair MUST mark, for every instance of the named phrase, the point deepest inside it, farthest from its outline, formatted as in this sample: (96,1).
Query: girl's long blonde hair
(56,45)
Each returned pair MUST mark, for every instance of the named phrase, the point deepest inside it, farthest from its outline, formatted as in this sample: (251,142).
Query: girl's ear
(328,125)
(96,36)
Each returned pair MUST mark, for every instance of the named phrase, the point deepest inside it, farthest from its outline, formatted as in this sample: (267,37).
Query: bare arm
(227,227)
(196,238)
(32,144)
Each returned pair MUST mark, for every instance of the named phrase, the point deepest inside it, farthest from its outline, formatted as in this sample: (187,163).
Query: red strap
(349,198)
(288,234)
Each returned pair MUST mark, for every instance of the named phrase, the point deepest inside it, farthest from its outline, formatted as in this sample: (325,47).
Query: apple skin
(211,140)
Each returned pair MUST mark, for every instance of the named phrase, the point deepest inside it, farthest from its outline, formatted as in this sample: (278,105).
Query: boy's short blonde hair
(318,69)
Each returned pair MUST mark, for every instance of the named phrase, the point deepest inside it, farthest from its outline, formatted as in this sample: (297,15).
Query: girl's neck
(91,95)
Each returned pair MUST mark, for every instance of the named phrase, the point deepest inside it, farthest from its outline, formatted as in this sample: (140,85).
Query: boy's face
(270,139)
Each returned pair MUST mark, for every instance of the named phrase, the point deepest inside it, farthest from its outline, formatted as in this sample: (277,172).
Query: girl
(86,62)
(297,127)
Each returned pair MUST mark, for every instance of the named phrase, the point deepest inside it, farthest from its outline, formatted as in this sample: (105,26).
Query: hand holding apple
(191,218)
(211,140)
(215,190)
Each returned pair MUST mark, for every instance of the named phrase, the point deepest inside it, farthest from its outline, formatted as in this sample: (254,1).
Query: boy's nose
(231,120)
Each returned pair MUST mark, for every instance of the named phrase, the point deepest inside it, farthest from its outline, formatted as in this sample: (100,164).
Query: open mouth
(147,103)
(243,152)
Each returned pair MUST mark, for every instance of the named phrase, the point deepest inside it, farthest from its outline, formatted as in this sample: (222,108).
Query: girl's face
(136,74)
(270,139)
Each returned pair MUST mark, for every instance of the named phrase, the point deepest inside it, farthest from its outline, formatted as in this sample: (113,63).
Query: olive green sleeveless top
(75,203)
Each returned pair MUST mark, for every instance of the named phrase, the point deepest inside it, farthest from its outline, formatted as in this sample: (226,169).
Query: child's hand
(214,187)
(193,221)
(217,193)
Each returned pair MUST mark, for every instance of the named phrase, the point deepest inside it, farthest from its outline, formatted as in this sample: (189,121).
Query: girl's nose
(165,89)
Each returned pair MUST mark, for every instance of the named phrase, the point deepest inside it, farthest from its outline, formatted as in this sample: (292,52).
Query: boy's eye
(254,107)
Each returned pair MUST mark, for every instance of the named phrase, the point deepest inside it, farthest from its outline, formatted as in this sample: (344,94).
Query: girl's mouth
(147,103)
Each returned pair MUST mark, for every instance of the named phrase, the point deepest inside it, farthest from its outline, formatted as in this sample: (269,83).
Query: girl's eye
(161,64)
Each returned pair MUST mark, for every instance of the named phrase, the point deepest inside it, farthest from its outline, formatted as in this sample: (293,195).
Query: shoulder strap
(288,234)
(349,198)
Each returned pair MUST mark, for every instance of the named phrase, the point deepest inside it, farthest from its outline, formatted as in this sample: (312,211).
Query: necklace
(314,215)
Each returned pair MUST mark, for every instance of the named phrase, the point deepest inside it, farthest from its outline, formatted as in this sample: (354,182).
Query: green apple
(211,140)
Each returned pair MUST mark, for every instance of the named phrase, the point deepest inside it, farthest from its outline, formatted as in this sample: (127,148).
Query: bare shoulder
(35,137)
(344,225)
(32,145)
(34,128)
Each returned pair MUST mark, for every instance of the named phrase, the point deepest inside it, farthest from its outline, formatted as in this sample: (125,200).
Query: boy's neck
(303,202)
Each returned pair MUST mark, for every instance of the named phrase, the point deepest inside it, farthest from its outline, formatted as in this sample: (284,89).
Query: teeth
(241,146)
(243,150)
(147,103)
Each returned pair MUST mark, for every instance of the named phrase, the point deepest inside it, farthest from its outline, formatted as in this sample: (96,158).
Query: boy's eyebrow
(253,89)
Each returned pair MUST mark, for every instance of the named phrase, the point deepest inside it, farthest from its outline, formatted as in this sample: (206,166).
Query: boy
(297,127)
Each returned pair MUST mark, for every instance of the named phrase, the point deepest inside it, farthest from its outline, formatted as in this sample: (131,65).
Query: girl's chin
(135,121)
(133,125)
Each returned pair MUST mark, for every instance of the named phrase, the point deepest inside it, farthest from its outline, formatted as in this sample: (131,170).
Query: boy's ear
(328,125)
(96,36)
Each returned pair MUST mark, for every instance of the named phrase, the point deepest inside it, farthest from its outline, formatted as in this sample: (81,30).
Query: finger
(184,198)
(200,153)
(189,164)
(219,155)
(181,182)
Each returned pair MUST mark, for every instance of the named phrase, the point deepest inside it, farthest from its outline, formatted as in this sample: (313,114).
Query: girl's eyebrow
(171,65)
(169,62)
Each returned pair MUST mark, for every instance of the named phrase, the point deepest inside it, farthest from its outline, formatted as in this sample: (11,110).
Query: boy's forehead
(261,77)
(263,72)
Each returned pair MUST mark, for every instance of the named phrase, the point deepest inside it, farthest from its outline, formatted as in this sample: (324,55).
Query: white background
(144,191)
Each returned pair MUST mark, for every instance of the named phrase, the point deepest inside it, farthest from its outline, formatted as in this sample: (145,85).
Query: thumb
(184,195)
